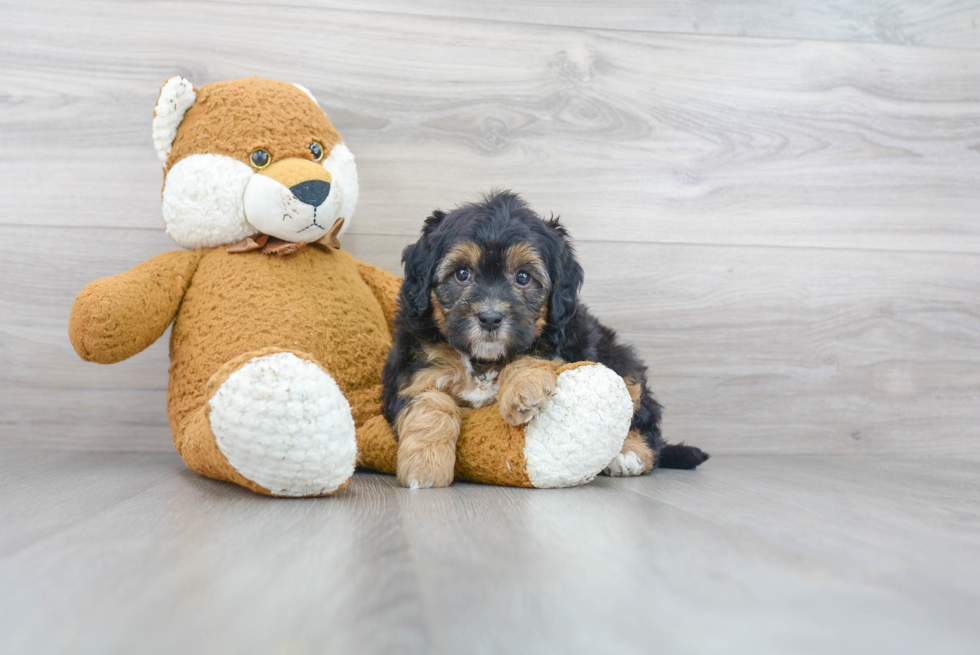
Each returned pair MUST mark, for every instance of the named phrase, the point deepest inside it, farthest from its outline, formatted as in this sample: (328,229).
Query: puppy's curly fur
(489,306)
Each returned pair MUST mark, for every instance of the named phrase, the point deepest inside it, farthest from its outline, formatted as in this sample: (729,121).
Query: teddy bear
(279,335)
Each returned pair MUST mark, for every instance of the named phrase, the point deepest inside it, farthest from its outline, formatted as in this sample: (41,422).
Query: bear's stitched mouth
(313,224)
(276,210)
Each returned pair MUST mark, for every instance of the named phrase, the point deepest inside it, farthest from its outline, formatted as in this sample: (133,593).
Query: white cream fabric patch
(580,431)
(273,209)
(176,97)
(203,201)
(284,424)
(343,168)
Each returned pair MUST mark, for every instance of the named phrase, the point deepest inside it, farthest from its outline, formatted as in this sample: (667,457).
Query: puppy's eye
(316,150)
(462,274)
(523,278)
(260,158)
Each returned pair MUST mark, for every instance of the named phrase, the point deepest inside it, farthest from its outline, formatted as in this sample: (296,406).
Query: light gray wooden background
(777,201)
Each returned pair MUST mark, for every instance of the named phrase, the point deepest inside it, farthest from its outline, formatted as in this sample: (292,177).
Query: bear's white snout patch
(302,213)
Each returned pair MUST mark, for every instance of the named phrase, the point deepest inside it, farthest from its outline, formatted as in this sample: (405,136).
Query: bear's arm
(386,288)
(114,318)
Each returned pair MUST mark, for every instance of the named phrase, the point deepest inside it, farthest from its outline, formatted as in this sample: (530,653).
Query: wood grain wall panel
(786,229)
(946,23)
(752,349)
(629,135)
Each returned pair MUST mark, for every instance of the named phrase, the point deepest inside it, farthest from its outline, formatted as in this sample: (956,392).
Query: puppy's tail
(679,456)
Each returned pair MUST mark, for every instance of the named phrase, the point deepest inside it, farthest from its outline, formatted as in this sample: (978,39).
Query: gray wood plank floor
(132,553)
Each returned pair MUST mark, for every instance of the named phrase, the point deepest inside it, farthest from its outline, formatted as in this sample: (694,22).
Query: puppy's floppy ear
(419,260)
(566,281)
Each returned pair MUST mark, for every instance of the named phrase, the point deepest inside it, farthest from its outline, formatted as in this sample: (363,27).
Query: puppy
(489,308)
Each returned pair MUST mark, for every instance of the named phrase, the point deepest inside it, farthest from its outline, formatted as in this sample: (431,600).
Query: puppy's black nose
(312,192)
(490,321)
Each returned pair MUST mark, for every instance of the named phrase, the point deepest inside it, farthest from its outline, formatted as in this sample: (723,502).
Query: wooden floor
(132,553)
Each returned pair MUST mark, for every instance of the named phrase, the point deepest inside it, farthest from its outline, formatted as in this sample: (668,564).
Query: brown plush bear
(279,336)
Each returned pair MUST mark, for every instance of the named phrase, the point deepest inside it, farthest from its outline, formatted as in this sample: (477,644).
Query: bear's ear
(177,95)
(307,92)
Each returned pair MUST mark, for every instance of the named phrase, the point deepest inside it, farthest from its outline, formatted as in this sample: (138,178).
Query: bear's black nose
(312,192)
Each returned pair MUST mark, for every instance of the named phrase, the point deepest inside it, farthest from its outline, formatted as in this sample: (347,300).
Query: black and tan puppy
(489,309)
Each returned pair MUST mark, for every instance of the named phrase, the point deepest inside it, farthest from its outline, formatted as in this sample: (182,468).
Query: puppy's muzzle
(490,320)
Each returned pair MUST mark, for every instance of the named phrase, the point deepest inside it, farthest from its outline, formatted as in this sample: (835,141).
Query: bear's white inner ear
(307,92)
(176,97)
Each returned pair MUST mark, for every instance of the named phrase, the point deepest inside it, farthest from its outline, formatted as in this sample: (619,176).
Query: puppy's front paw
(427,431)
(525,387)
(431,465)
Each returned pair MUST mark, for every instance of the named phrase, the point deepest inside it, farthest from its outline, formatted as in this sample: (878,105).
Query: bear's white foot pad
(625,465)
(283,423)
(581,430)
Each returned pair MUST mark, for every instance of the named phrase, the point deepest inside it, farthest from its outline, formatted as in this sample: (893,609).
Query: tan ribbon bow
(274,246)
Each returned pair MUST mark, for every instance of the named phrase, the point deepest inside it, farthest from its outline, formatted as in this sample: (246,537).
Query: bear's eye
(316,150)
(462,274)
(523,278)
(260,158)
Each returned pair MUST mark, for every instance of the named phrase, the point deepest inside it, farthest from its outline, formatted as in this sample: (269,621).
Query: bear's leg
(570,439)
(275,422)
(574,436)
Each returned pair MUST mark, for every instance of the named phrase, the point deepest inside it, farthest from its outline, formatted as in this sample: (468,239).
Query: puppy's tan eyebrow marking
(522,255)
(466,253)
